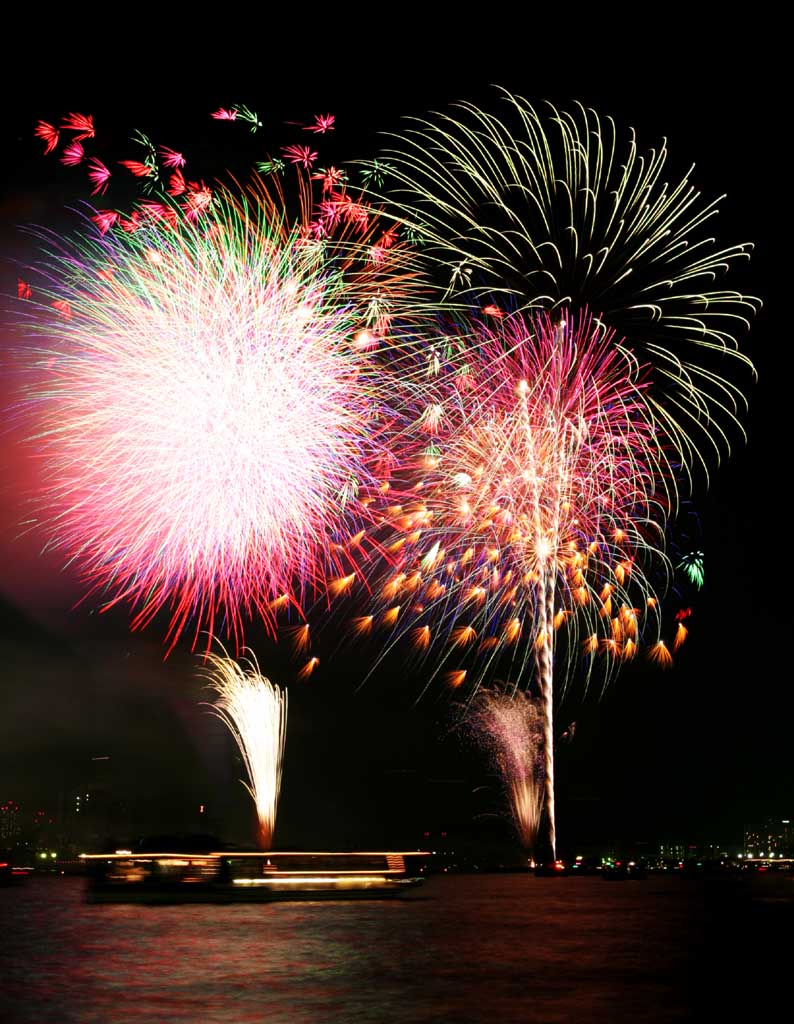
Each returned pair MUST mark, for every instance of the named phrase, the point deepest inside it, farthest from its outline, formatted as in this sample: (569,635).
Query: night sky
(692,753)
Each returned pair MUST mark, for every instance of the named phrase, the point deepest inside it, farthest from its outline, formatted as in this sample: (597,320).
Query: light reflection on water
(462,949)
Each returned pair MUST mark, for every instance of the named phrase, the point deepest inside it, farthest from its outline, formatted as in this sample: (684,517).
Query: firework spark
(692,566)
(209,425)
(49,134)
(255,712)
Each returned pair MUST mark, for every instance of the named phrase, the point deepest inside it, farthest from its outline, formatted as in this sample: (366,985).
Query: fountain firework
(255,712)
(508,724)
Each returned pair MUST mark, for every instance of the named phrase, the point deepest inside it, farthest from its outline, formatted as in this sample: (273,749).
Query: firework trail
(210,408)
(508,726)
(255,712)
(547,209)
(543,501)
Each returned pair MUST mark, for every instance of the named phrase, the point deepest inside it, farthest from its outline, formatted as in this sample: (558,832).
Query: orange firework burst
(660,654)
(308,668)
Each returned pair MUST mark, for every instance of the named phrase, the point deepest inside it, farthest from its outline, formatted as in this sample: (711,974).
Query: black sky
(698,751)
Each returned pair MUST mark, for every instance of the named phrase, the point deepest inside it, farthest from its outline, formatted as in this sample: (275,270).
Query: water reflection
(463,949)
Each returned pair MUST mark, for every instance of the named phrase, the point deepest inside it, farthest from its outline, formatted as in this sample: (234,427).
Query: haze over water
(463,950)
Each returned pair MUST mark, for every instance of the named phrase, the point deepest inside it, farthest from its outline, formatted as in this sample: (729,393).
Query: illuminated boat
(236,876)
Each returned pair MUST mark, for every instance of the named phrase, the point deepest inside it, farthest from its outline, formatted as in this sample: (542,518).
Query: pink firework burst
(539,462)
(211,427)
(171,158)
(73,154)
(304,156)
(98,175)
(322,123)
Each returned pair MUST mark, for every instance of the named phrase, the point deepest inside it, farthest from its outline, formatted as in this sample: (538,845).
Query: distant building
(716,851)
(23,827)
(673,851)
(774,838)
(10,823)
(704,850)
(95,813)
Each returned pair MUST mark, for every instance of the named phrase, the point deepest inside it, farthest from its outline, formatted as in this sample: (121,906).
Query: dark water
(463,949)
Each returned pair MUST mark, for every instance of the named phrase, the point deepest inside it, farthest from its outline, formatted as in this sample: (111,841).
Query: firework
(508,725)
(255,712)
(692,566)
(210,423)
(547,209)
(543,500)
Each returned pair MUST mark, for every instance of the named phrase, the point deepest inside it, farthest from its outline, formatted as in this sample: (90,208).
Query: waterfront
(463,950)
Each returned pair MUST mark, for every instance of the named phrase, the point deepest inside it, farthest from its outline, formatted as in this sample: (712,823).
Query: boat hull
(247,877)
